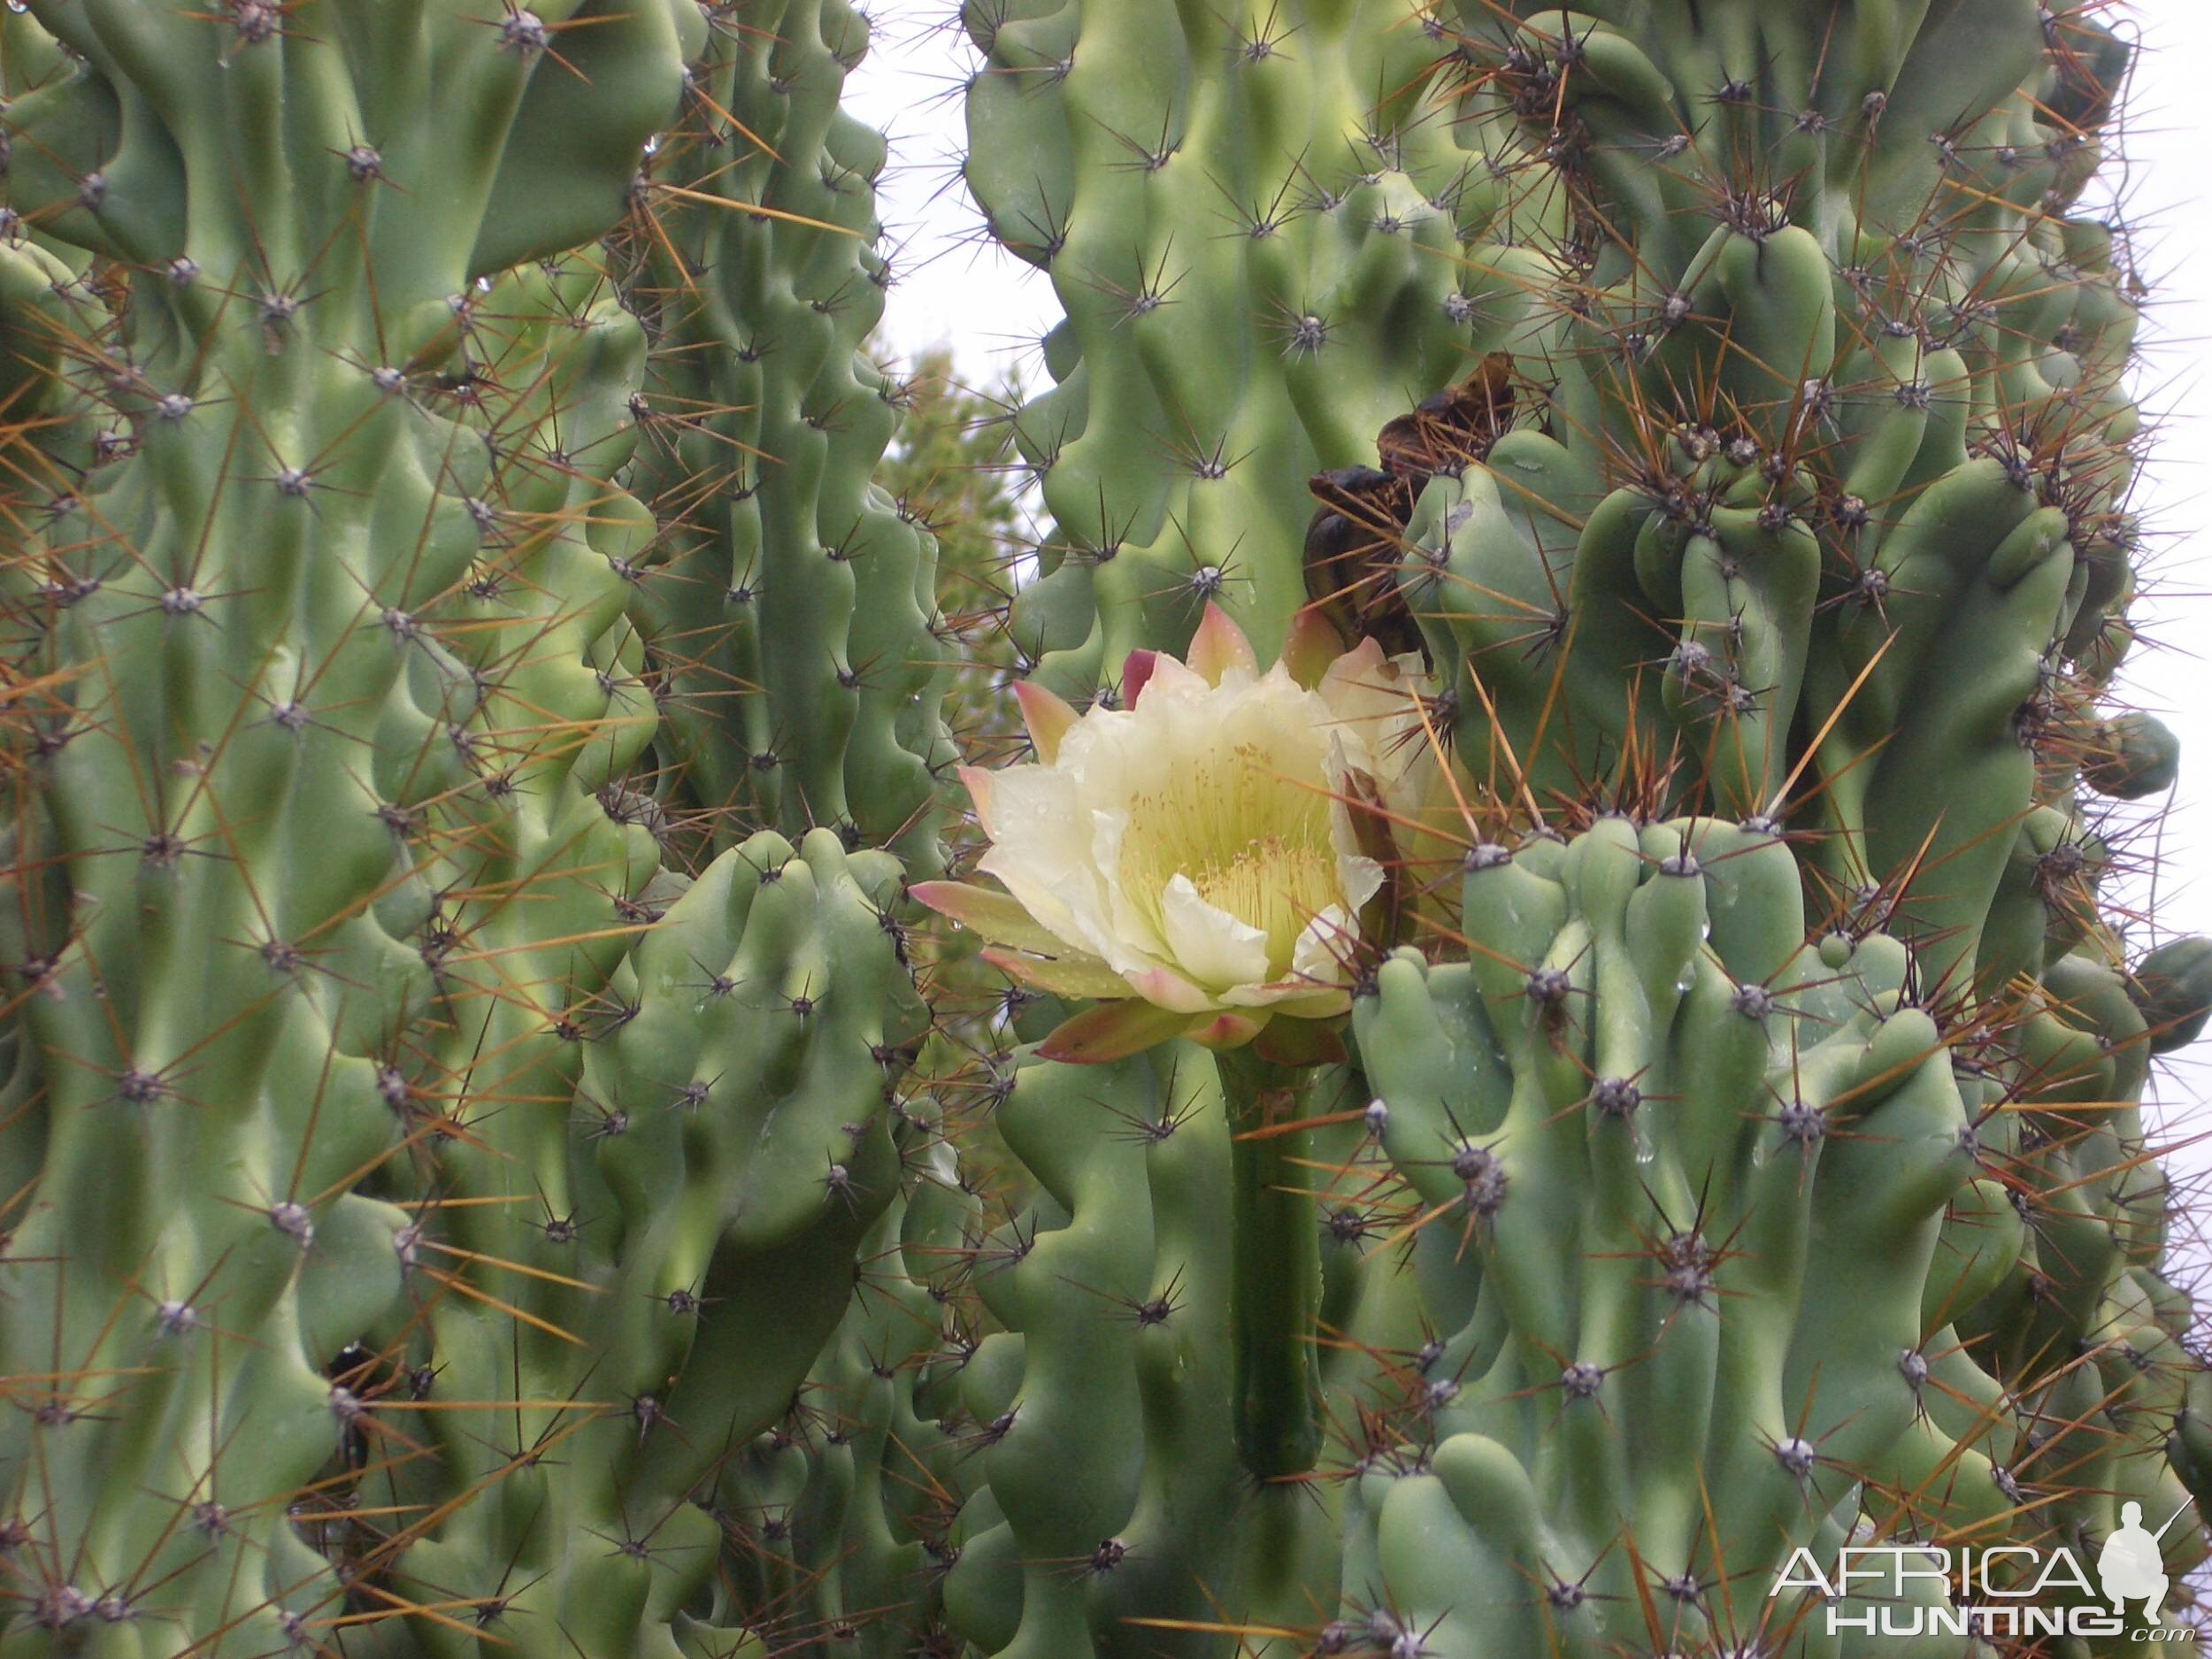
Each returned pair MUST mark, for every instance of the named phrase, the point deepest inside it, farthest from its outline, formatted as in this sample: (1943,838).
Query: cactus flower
(1198,858)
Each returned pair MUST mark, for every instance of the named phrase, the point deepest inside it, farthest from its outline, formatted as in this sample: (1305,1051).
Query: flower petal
(1312,645)
(1361,878)
(1127,938)
(1374,702)
(1318,958)
(1040,855)
(1291,999)
(1208,943)
(1136,672)
(1229,1031)
(1168,672)
(1358,671)
(978,786)
(1048,716)
(998,917)
(1218,647)
(1112,1030)
(1120,851)
(1060,976)
(1170,989)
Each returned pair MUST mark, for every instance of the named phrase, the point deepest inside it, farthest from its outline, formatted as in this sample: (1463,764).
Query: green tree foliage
(948,465)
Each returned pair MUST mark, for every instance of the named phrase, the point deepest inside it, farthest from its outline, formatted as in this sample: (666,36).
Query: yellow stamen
(1253,842)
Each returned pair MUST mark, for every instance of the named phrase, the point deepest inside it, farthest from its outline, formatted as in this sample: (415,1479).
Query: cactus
(678,1249)
(274,749)
(1108,1506)
(1792,444)
(1780,1206)
(792,600)
(1251,218)
(1785,364)
(838,1516)
(470,1148)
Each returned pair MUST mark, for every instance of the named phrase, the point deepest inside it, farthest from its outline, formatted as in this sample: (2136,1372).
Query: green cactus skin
(1826,394)
(1275,1296)
(1107,1501)
(689,1233)
(794,615)
(1759,1175)
(838,1514)
(263,776)
(2131,755)
(1814,373)
(443,1222)
(1710,1223)
(1251,218)
(2174,990)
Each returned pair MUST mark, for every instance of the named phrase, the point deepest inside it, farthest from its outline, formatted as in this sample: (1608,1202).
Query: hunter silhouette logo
(2129,1566)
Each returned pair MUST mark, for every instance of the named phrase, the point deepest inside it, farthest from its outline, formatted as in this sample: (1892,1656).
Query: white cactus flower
(1201,855)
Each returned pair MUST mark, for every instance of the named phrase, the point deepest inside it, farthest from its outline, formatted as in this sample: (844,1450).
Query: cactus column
(275,746)
(1772,567)
(794,616)
(1251,216)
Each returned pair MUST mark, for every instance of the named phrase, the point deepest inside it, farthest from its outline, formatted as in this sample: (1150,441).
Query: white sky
(959,289)
(2170,157)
